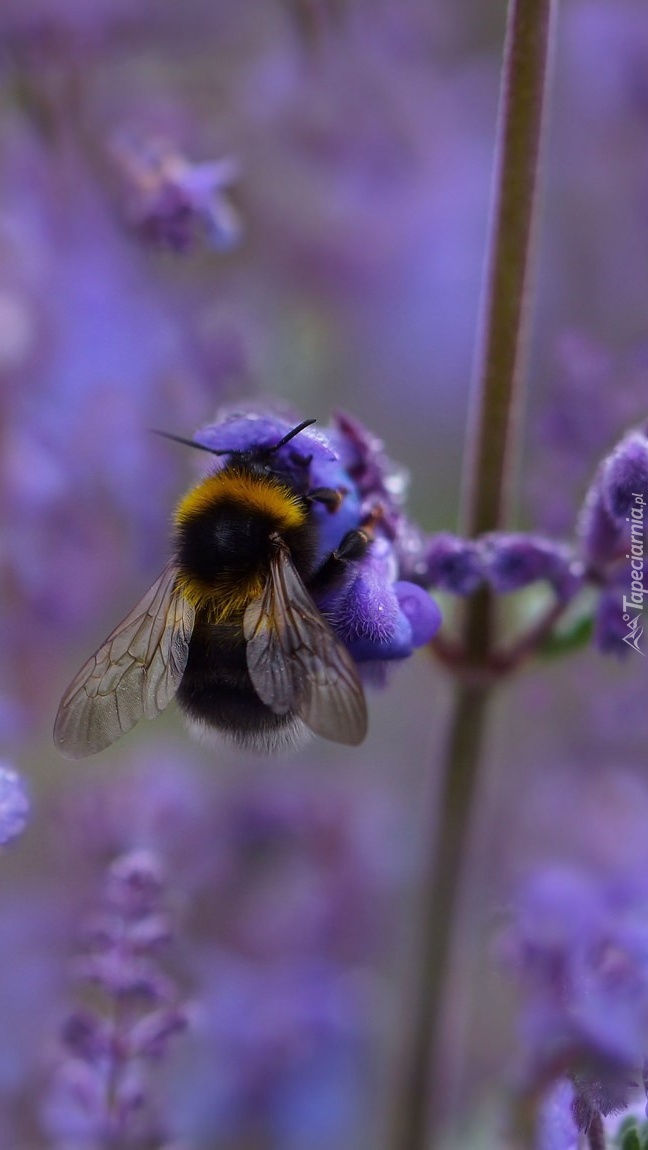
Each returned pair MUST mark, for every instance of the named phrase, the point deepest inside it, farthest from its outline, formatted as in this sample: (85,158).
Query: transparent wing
(134,674)
(295,661)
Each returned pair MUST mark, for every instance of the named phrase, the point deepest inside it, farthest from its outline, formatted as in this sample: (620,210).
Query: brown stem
(596,1134)
(443,866)
(488,478)
(493,439)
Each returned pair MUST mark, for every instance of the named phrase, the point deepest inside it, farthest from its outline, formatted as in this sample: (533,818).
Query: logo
(635,631)
(633,603)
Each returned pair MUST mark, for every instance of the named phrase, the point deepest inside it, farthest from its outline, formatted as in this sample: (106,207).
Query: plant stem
(493,432)
(442,869)
(596,1139)
(488,478)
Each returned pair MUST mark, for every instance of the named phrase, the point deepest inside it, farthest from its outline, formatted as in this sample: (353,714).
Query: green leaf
(563,641)
(628,1135)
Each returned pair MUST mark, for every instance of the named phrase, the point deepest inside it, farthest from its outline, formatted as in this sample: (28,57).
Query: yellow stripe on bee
(223,600)
(254,494)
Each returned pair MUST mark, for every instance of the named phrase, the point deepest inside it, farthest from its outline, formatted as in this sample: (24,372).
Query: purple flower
(557,1128)
(599,534)
(612,532)
(453,564)
(578,949)
(513,561)
(612,635)
(624,476)
(100,1091)
(381,619)
(174,202)
(14,805)
(615,501)
(286,886)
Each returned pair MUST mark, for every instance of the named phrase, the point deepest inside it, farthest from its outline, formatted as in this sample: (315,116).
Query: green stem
(488,479)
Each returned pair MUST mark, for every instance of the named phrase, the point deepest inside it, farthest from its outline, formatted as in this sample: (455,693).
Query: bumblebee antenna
(188,442)
(291,434)
(212,450)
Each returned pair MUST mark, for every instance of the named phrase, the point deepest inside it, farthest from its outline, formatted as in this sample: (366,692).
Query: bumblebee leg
(330,497)
(339,565)
(353,546)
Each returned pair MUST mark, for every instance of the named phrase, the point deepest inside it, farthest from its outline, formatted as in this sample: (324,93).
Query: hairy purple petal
(624,476)
(369,608)
(600,535)
(421,611)
(382,619)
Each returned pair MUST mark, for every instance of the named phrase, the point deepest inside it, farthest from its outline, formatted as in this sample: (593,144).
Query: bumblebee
(231,627)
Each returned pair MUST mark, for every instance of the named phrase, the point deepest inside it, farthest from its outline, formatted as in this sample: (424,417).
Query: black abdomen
(216,689)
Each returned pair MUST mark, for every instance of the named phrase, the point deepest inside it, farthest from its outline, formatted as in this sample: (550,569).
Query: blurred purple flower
(599,534)
(577,946)
(284,1048)
(557,1128)
(454,564)
(14,805)
(507,561)
(611,532)
(100,1091)
(174,202)
(610,620)
(625,476)
(513,561)
(284,886)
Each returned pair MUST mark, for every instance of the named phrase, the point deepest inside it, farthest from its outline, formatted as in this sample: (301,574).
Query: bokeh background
(213,201)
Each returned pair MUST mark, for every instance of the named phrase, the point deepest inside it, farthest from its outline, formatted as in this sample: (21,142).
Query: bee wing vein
(135,672)
(295,661)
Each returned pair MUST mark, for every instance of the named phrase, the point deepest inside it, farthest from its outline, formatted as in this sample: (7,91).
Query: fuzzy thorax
(223,528)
